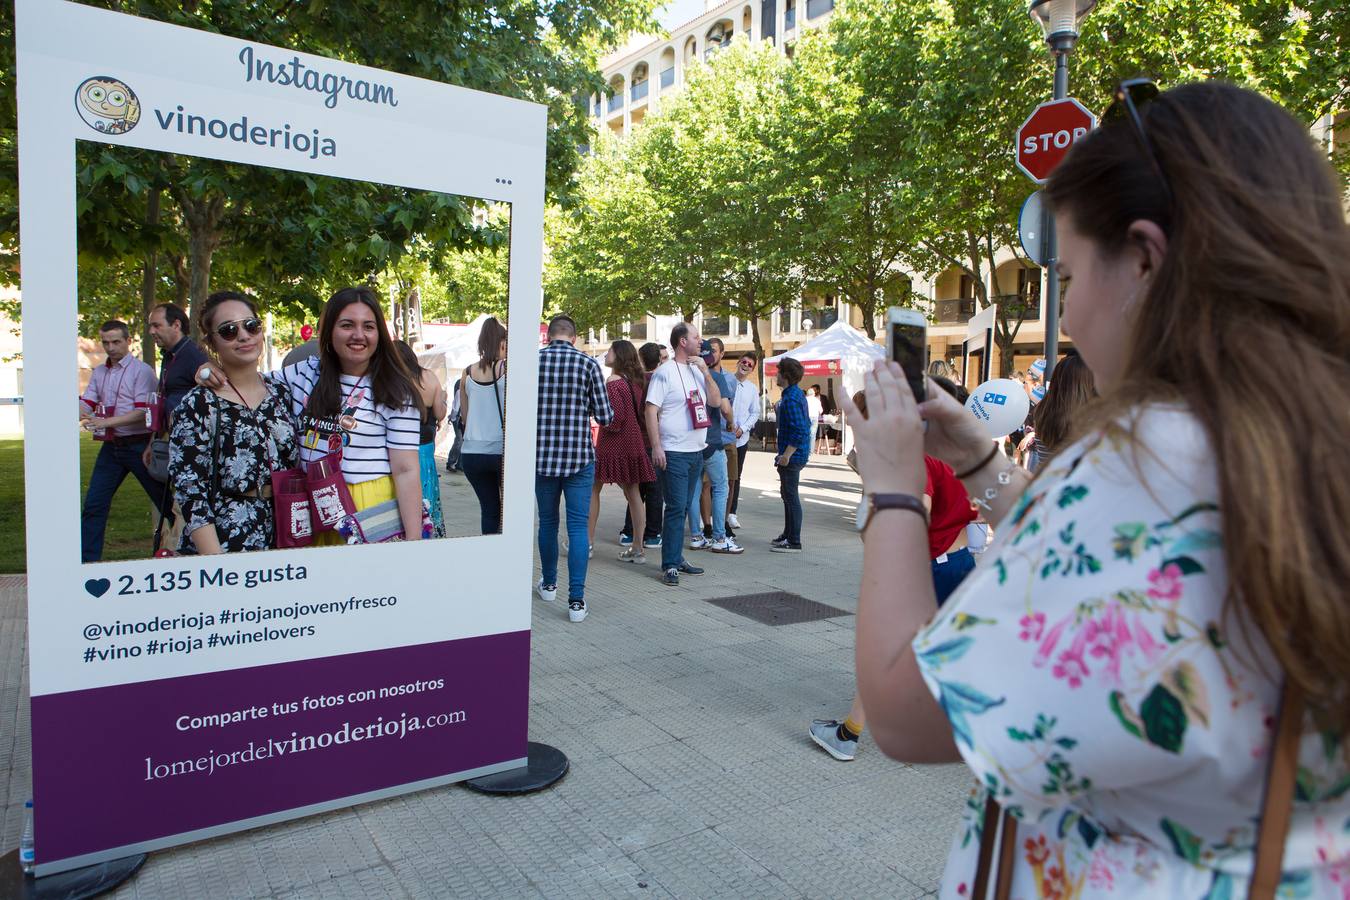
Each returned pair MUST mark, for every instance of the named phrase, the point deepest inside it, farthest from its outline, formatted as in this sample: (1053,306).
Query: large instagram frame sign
(177,699)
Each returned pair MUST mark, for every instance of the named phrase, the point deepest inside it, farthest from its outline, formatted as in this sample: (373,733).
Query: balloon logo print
(107,105)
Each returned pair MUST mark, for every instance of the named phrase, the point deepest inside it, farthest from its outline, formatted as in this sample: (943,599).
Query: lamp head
(1059,19)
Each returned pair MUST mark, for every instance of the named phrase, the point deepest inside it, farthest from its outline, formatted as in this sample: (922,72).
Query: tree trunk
(180,279)
(148,282)
(203,216)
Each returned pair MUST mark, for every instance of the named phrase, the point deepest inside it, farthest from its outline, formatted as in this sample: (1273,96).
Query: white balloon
(1001,404)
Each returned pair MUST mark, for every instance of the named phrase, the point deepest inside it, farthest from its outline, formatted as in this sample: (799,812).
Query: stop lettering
(1047,135)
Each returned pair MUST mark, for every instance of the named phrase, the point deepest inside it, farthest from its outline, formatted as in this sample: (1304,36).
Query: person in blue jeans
(571,393)
(710,532)
(795,433)
(679,394)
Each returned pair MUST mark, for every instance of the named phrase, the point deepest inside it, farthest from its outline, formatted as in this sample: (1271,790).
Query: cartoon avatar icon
(107,105)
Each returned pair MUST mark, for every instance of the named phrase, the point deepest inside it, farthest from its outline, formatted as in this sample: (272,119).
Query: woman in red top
(620,456)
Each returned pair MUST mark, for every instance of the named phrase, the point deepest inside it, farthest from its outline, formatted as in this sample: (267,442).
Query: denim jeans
(715,468)
(114,463)
(789,480)
(575,491)
(680,482)
(948,574)
(650,491)
(484,471)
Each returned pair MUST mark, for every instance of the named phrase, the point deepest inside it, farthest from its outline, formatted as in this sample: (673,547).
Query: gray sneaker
(825,732)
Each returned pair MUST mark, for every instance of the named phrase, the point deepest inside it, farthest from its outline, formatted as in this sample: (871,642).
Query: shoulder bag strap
(1277,805)
(501,413)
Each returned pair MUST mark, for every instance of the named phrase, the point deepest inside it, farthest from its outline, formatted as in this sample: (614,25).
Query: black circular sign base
(77,884)
(546,766)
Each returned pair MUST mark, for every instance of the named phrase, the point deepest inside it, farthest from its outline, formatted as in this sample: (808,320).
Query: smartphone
(907,344)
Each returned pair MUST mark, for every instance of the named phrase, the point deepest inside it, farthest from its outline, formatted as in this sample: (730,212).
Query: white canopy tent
(839,351)
(447,361)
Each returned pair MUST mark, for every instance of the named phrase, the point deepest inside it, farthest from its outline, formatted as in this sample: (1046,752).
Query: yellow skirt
(364,495)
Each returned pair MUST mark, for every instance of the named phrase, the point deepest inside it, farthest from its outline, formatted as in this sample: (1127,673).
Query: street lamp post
(1059,20)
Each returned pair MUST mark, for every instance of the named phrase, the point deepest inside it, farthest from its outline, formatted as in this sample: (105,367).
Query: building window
(817,8)
(742,327)
(716,326)
(785,321)
(789,15)
(638,330)
(967,287)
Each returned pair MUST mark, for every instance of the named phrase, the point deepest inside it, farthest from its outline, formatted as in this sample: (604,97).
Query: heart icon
(97,586)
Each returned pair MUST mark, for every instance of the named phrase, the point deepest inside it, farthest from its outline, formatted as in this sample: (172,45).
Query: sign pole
(1052,239)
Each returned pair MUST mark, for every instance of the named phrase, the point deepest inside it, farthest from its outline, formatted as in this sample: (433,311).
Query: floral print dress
(219,453)
(1097,689)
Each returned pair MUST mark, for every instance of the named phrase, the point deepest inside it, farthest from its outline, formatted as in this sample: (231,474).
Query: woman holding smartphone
(227,441)
(1148,675)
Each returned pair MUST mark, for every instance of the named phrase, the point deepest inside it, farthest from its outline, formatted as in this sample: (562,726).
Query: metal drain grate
(778,608)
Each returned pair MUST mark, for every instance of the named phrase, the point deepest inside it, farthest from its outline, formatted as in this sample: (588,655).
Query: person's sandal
(629,555)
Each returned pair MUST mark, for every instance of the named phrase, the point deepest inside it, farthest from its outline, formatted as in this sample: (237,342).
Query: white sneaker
(547,592)
(733,521)
(576,610)
(726,545)
(699,542)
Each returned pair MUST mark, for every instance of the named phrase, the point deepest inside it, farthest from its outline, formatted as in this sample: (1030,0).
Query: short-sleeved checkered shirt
(571,393)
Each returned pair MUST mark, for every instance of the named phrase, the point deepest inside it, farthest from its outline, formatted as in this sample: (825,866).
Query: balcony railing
(638,90)
(1014,305)
(616,103)
(789,19)
(954,312)
(597,108)
(667,77)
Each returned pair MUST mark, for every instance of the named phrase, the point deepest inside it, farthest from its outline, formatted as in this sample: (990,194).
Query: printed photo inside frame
(182,697)
(170,467)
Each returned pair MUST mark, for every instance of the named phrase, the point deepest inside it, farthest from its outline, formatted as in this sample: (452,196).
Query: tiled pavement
(692,775)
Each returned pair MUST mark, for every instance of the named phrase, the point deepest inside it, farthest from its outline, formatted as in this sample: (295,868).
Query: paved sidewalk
(692,775)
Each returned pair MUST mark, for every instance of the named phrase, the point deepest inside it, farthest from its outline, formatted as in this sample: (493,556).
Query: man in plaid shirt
(571,393)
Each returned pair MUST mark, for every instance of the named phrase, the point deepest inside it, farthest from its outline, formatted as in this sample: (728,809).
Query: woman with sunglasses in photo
(1149,670)
(227,441)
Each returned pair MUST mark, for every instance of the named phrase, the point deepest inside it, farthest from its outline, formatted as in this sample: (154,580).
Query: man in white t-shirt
(678,394)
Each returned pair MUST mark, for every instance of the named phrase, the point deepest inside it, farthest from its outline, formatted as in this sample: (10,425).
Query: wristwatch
(870,503)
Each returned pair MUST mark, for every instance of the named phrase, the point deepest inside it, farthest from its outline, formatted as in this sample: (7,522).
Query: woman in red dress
(620,456)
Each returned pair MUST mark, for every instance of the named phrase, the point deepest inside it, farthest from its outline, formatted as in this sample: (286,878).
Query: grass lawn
(131,524)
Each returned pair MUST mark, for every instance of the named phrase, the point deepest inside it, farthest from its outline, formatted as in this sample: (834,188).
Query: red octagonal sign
(1047,135)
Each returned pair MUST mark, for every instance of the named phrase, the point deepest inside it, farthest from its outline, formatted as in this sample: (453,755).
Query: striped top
(369,430)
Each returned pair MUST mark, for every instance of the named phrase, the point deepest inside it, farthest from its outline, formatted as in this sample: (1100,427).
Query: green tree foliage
(714,159)
(531,49)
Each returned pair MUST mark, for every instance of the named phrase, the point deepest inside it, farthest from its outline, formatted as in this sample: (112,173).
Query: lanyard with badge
(330,499)
(698,407)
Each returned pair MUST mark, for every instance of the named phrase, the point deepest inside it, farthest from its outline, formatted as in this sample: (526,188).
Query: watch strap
(878,502)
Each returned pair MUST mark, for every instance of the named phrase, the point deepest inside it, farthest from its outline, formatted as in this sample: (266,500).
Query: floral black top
(219,452)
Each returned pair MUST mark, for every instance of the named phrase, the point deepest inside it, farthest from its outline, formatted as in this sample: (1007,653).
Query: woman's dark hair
(206,317)
(391,383)
(650,354)
(409,357)
(791,370)
(490,341)
(1258,257)
(627,366)
(1071,390)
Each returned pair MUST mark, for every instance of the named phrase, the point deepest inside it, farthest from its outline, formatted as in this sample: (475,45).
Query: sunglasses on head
(1127,99)
(229,331)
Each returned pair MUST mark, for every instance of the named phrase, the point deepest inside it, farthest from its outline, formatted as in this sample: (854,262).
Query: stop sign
(1048,133)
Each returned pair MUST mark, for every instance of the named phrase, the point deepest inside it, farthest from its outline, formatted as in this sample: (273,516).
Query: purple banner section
(119,765)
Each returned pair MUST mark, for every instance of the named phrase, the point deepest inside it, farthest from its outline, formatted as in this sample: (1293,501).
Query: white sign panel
(174,699)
